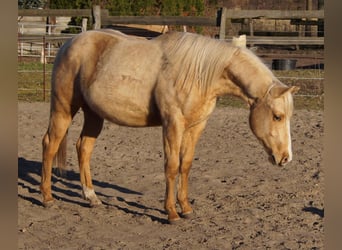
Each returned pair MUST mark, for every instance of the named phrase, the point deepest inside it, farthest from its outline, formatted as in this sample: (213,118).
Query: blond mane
(198,60)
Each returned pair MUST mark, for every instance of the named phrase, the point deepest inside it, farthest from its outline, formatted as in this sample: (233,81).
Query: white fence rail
(32,37)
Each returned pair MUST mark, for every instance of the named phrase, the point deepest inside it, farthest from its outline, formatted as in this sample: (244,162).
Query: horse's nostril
(284,160)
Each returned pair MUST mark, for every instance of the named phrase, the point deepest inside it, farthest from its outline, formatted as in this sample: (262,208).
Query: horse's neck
(230,88)
(250,75)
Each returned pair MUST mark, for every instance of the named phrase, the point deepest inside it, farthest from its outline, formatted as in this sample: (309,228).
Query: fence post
(21,32)
(309,29)
(44,69)
(84,24)
(320,27)
(97,17)
(223,20)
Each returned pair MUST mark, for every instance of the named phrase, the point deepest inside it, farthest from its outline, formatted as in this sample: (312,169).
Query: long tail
(61,155)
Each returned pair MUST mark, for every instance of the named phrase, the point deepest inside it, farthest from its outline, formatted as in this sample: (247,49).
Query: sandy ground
(241,201)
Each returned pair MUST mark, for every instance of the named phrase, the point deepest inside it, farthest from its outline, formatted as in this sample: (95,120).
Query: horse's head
(270,122)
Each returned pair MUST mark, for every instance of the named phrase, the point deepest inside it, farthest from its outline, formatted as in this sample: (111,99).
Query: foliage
(30,4)
(122,7)
(136,7)
(133,8)
(61,4)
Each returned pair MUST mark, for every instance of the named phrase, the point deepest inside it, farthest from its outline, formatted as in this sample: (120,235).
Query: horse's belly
(131,115)
(122,90)
(125,104)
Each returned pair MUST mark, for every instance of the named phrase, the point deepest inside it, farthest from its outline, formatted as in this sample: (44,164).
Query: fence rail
(55,12)
(160,20)
(274,14)
(283,40)
(224,17)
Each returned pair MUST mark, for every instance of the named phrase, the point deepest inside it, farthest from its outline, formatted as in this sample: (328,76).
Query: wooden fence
(224,19)
(297,17)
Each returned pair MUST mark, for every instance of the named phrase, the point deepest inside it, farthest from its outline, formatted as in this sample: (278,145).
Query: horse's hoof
(188,215)
(175,221)
(173,218)
(48,204)
(95,203)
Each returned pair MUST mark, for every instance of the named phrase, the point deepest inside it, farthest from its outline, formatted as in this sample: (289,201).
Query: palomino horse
(171,81)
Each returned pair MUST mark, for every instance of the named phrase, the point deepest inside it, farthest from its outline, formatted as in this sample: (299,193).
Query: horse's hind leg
(58,126)
(85,144)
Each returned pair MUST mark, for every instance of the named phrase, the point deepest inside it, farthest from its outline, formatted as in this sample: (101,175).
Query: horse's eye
(276,118)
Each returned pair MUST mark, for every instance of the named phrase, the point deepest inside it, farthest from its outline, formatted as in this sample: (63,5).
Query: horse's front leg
(172,136)
(187,152)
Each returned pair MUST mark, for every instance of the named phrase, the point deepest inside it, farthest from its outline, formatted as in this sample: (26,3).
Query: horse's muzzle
(281,161)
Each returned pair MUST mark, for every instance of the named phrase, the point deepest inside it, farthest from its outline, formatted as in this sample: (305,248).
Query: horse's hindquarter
(122,90)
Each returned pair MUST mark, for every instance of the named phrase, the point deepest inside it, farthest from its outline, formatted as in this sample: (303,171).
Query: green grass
(31,81)
(30,86)
(33,66)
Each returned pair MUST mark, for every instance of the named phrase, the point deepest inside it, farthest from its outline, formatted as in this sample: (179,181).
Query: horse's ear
(294,89)
(278,91)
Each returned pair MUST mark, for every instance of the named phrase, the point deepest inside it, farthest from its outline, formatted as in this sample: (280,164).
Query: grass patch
(31,81)
(33,66)
(309,102)
(307,73)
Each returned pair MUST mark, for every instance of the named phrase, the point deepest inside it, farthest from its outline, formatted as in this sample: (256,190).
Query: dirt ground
(241,201)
